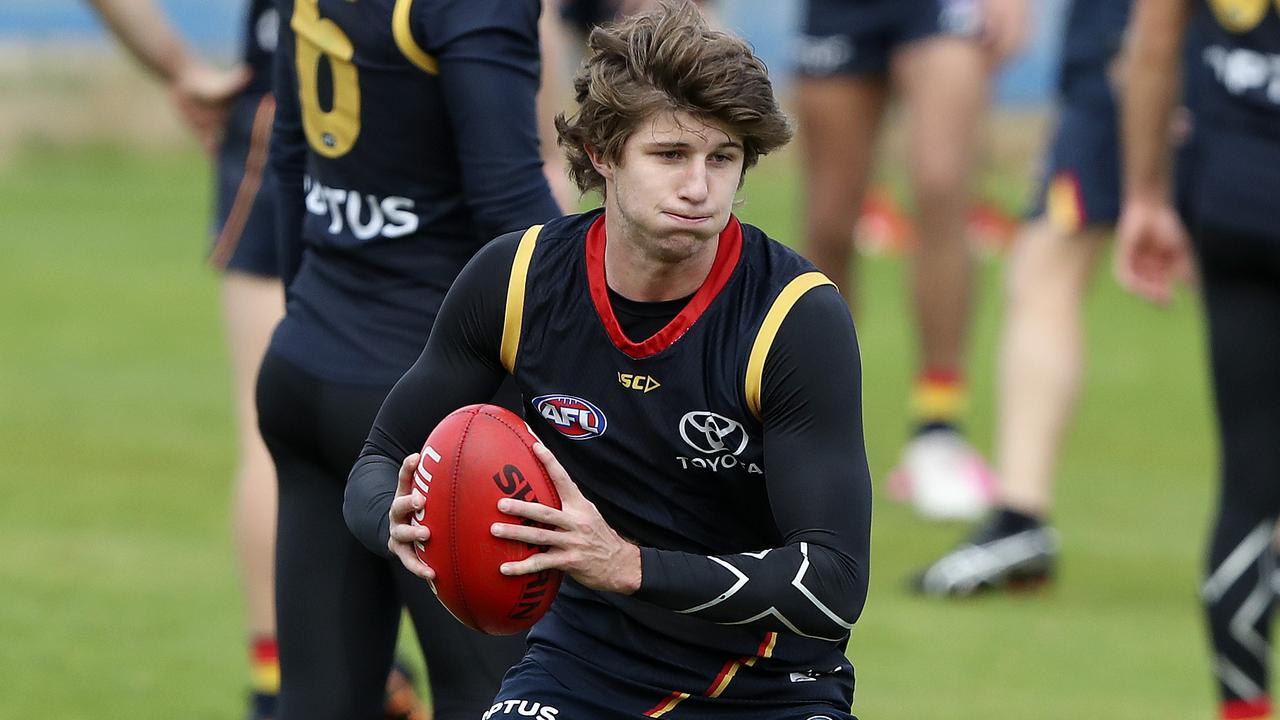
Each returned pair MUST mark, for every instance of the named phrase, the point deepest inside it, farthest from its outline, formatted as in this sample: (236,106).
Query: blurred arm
(144,30)
(1004,31)
(200,92)
(1152,248)
(489,58)
(288,154)
(1150,95)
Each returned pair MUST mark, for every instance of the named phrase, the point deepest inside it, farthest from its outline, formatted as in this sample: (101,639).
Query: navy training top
(721,433)
(405,139)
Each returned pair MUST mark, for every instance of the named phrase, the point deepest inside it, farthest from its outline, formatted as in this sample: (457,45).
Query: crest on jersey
(710,433)
(572,417)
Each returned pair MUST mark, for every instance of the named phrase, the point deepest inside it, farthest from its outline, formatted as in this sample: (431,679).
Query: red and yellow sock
(1255,709)
(264,665)
(939,399)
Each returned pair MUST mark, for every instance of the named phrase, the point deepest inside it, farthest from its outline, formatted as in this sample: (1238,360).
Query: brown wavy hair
(666,60)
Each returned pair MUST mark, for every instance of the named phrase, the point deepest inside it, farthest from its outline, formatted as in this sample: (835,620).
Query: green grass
(118,597)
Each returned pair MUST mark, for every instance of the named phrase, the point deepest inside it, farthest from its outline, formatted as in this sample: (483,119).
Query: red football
(476,456)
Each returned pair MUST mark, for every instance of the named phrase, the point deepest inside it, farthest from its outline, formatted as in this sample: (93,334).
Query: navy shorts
(1080,184)
(244,233)
(858,37)
(530,692)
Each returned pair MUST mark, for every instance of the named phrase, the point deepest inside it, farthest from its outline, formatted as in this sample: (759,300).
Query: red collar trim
(727,254)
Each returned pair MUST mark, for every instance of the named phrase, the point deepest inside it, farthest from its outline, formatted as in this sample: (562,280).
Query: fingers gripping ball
(476,456)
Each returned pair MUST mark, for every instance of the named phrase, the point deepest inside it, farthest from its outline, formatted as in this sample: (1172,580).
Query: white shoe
(943,477)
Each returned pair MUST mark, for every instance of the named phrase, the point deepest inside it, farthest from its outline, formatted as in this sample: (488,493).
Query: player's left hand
(1004,29)
(579,540)
(203,95)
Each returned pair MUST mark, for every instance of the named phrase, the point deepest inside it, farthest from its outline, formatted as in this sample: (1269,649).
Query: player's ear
(598,161)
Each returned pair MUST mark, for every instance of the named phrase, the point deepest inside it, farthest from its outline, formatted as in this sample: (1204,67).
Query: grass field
(118,597)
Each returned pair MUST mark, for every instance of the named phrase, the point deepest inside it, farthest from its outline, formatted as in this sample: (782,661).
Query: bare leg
(839,118)
(252,306)
(1041,358)
(553,97)
(944,83)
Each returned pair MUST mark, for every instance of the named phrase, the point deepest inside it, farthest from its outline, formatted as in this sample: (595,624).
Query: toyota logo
(710,433)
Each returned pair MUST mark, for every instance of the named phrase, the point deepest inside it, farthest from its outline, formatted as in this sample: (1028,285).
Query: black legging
(337,604)
(1241,280)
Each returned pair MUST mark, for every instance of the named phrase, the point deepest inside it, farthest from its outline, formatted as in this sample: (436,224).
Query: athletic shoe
(993,558)
(943,477)
(402,701)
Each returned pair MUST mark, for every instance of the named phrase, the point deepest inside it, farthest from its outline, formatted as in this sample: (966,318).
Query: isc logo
(573,417)
(642,383)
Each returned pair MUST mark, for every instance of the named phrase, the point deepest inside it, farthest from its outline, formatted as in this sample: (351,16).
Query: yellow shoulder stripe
(769,329)
(515,298)
(404,38)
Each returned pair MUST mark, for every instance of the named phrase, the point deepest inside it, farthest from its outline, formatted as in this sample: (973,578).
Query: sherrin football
(476,456)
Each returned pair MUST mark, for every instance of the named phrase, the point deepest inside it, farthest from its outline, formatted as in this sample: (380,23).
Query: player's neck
(638,273)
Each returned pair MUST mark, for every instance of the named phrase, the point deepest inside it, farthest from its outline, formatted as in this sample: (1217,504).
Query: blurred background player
(1233,175)
(1041,347)
(940,56)
(230,112)
(393,169)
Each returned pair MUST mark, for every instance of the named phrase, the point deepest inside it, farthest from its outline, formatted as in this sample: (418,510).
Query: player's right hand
(580,541)
(403,532)
(203,95)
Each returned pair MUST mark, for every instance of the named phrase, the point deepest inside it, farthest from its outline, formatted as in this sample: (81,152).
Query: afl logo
(710,433)
(573,417)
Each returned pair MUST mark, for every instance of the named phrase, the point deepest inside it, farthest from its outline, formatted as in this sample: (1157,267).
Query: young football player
(715,530)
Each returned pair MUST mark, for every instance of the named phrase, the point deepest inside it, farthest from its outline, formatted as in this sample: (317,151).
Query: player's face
(674,185)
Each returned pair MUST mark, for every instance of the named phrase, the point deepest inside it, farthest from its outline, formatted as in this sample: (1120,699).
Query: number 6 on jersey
(333,132)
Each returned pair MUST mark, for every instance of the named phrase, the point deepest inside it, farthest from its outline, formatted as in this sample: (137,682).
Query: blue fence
(213,25)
